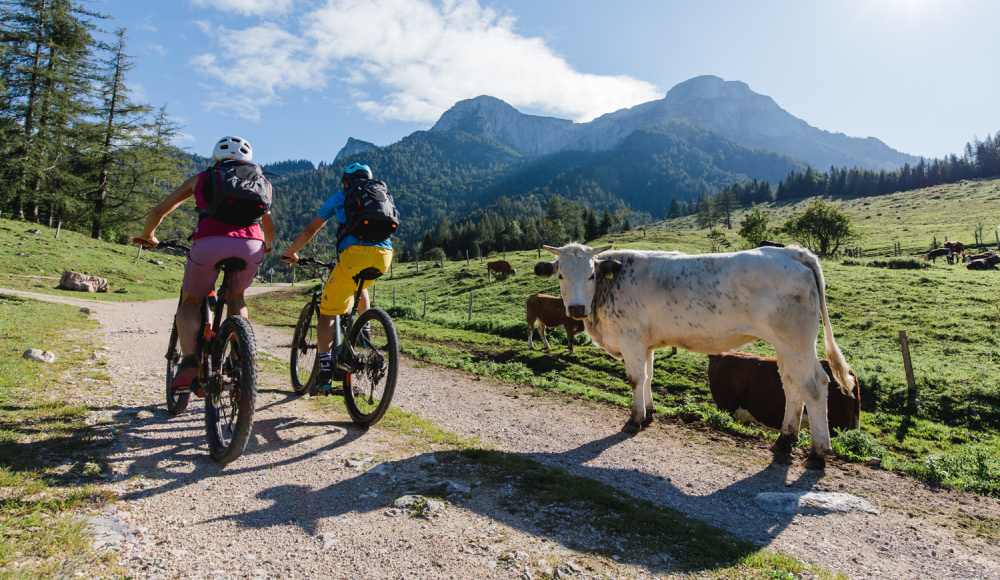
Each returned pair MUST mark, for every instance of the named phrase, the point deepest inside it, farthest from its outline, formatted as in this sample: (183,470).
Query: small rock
(491,564)
(434,505)
(874,462)
(450,487)
(811,502)
(519,555)
(329,540)
(157,262)
(574,567)
(392,512)
(85,310)
(384,468)
(563,572)
(250,557)
(427,459)
(39,355)
(144,414)
(34,231)
(121,290)
(406,501)
(138,281)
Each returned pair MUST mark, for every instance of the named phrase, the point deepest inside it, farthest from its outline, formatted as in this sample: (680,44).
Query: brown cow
(749,388)
(500,267)
(550,311)
(938,253)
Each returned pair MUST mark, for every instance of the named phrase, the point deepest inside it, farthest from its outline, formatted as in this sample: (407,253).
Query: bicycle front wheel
(176,402)
(303,363)
(369,392)
(229,402)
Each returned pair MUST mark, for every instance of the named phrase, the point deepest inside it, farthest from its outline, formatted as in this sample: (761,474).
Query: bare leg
(236,305)
(188,319)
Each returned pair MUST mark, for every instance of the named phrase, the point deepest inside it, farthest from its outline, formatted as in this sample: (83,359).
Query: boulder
(82,283)
(39,355)
(813,502)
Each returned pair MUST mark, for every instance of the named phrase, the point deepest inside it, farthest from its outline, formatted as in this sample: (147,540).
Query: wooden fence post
(467,257)
(393,295)
(293,274)
(417,261)
(139,253)
(390,271)
(505,252)
(470,306)
(425,304)
(911,383)
(998,238)
(58,229)
(481,262)
(673,350)
(373,295)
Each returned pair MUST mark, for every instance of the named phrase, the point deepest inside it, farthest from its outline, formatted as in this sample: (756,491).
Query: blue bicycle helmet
(355,171)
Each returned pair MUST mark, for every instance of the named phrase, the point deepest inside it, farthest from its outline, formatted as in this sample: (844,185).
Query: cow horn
(595,251)
(556,251)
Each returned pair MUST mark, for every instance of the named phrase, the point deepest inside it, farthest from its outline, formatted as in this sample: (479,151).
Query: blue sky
(298,77)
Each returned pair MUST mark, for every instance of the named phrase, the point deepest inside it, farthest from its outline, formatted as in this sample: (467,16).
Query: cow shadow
(314,510)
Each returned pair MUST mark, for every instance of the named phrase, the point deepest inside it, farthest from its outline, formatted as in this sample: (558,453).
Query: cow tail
(838,364)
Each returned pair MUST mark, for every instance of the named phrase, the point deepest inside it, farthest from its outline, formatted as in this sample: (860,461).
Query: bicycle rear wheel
(231,397)
(304,363)
(369,392)
(176,402)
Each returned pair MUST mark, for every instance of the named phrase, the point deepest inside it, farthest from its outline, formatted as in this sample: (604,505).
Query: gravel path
(299,504)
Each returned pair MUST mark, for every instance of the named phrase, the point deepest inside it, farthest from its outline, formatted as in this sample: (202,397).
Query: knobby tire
(176,402)
(369,392)
(229,414)
(305,357)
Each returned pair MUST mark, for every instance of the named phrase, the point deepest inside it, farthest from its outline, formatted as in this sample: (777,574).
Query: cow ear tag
(609,275)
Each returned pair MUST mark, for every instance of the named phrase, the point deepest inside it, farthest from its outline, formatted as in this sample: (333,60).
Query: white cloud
(157,48)
(422,55)
(182,137)
(249,7)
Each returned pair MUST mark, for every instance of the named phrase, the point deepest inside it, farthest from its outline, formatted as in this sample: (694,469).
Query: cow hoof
(781,446)
(649,419)
(631,427)
(815,461)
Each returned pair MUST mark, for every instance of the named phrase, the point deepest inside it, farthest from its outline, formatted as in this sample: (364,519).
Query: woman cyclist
(214,240)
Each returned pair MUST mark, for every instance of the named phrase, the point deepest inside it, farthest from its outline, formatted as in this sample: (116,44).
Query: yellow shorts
(340,288)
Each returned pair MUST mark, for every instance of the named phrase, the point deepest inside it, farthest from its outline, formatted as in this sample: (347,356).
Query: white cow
(633,302)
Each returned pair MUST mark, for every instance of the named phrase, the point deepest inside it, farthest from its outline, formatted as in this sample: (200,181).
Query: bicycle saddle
(367,274)
(231,265)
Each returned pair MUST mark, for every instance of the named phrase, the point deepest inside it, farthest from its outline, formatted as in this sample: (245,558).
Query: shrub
(857,446)
(900,264)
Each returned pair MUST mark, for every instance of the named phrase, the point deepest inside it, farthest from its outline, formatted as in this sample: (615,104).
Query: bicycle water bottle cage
(367,274)
(231,265)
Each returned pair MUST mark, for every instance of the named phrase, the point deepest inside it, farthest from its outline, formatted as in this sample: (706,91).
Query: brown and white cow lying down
(633,302)
(982,256)
(983,264)
(748,387)
(550,312)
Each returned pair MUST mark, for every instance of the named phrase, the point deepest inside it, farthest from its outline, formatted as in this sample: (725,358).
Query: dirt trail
(292,506)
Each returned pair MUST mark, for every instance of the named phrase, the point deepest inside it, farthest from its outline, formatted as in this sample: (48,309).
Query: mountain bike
(366,353)
(227,358)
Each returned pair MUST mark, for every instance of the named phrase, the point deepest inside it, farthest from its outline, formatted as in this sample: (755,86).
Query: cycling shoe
(186,374)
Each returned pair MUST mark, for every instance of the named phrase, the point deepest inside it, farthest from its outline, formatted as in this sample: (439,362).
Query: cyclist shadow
(181,458)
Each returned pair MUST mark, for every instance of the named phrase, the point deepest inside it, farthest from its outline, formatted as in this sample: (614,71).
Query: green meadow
(945,432)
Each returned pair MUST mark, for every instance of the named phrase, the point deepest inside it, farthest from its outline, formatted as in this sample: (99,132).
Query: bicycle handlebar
(305,261)
(162,245)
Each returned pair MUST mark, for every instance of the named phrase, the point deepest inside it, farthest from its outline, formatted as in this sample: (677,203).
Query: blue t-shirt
(334,208)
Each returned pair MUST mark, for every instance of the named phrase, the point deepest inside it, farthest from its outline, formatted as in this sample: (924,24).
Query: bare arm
(166,206)
(267,224)
(307,234)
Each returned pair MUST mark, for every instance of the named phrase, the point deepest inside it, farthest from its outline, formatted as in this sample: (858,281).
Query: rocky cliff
(353,147)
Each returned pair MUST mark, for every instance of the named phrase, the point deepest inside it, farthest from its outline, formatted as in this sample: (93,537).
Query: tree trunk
(102,187)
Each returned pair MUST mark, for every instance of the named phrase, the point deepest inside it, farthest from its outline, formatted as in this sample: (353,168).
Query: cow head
(579,271)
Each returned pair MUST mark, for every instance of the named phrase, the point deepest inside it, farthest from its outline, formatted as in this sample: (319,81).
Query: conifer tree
(606,222)
(675,209)
(590,226)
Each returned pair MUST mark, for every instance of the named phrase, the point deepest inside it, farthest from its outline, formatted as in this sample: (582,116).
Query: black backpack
(237,193)
(371,214)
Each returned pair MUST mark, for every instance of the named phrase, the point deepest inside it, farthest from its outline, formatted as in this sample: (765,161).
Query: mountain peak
(353,147)
(708,87)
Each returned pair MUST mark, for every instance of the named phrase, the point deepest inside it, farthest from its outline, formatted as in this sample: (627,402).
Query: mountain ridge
(727,107)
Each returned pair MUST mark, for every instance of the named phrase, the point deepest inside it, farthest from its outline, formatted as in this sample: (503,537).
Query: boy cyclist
(355,254)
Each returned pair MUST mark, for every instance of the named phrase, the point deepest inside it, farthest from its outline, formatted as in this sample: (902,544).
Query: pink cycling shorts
(200,273)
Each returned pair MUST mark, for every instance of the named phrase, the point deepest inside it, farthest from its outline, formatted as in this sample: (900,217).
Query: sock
(324,360)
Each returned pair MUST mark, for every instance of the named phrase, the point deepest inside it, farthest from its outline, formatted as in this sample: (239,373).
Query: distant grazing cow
(500,267)
(550,312)
(769,244)
(956,247)
(633,302)
(748,387)
(937,253)
(983,264)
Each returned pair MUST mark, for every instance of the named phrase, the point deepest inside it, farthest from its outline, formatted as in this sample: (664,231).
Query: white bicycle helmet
(232,147)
